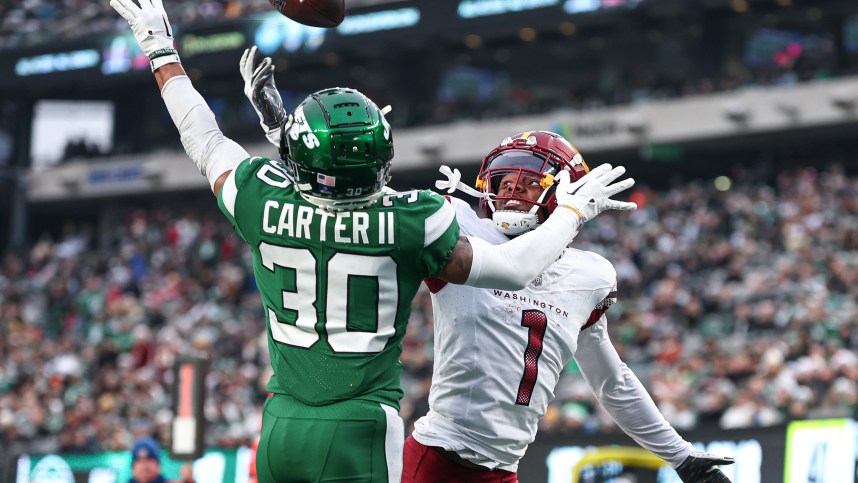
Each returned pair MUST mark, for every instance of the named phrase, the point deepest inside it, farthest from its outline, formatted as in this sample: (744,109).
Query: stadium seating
(736,309)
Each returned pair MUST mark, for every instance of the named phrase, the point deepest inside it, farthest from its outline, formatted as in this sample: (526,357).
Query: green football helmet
(338,148)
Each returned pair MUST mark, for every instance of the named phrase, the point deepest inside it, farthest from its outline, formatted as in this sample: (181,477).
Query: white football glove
(260,89)
(151,29)
(591,194)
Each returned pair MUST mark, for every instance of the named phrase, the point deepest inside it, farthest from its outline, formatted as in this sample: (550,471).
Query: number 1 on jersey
(536,323)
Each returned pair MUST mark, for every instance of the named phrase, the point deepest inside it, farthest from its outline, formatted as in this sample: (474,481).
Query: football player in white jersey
(481,421)
(499,354)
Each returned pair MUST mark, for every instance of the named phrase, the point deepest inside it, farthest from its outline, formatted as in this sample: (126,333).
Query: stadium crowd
(664,71)
(25,23)
(737,308)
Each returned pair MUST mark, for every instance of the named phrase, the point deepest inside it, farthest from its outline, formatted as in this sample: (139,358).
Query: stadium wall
(724,118)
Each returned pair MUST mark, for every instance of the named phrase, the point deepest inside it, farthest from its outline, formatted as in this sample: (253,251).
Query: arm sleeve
(212,152)
(440,233)
(228,196)
(624,397)
(512,265)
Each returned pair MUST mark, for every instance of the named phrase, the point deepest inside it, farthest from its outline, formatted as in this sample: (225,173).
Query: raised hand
(260,89)
(151,29)
(702,467)
(591,194)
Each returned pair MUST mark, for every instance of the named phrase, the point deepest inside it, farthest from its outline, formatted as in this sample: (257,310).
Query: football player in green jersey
(338,258)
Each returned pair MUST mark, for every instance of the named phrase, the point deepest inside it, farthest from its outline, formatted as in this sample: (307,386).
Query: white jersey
(499,354)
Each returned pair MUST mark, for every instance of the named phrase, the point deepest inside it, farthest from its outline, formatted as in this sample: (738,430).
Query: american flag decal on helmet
(326,180)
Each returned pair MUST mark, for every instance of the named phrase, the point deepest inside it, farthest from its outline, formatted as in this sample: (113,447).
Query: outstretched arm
(512,265)
(624,397)
(261,91)
(214,154)
(509,266)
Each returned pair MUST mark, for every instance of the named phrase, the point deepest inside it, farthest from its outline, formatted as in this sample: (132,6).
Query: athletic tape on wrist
(580,215)
(162,57)
(162,52)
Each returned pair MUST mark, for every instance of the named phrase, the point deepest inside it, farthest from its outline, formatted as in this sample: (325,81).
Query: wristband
(162,57)
(580,215)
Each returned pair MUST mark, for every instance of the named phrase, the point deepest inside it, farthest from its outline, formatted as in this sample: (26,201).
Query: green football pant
(349,441)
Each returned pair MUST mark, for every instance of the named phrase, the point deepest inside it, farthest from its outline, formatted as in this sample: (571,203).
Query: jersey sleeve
(228,199)
(465,216)
(440,233)
(604,283)
(623,396)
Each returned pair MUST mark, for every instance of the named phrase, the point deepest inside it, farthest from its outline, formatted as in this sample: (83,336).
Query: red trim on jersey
(425,464)
(594,317)
(435,284)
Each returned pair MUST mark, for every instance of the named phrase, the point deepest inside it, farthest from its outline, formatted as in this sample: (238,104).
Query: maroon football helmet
(530,156)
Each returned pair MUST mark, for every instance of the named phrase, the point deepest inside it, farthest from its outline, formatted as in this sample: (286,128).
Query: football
(315,13)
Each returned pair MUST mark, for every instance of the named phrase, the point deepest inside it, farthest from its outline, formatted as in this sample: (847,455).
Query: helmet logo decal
(382,113)
(300,126)
(386,127)
(311,141)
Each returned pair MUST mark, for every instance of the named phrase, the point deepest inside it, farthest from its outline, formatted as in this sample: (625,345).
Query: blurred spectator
(186,473)
(146,462)
(483,84)
(736,308)
(31,22)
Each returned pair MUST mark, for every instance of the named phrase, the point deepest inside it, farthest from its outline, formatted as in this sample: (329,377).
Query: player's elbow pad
(512,265)
(212,152)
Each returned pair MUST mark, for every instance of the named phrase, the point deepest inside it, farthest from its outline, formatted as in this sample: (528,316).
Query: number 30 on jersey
(302,300)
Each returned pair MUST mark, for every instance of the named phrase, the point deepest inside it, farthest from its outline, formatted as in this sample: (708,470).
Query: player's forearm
(207,147)
(512,265)
(213,153)
(167,72)
(621,394)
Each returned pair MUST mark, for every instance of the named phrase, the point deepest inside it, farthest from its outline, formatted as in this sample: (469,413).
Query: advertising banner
(759,454)
(216,466)
(821,451)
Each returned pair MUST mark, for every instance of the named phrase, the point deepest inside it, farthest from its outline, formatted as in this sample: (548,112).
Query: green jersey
(336,286)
